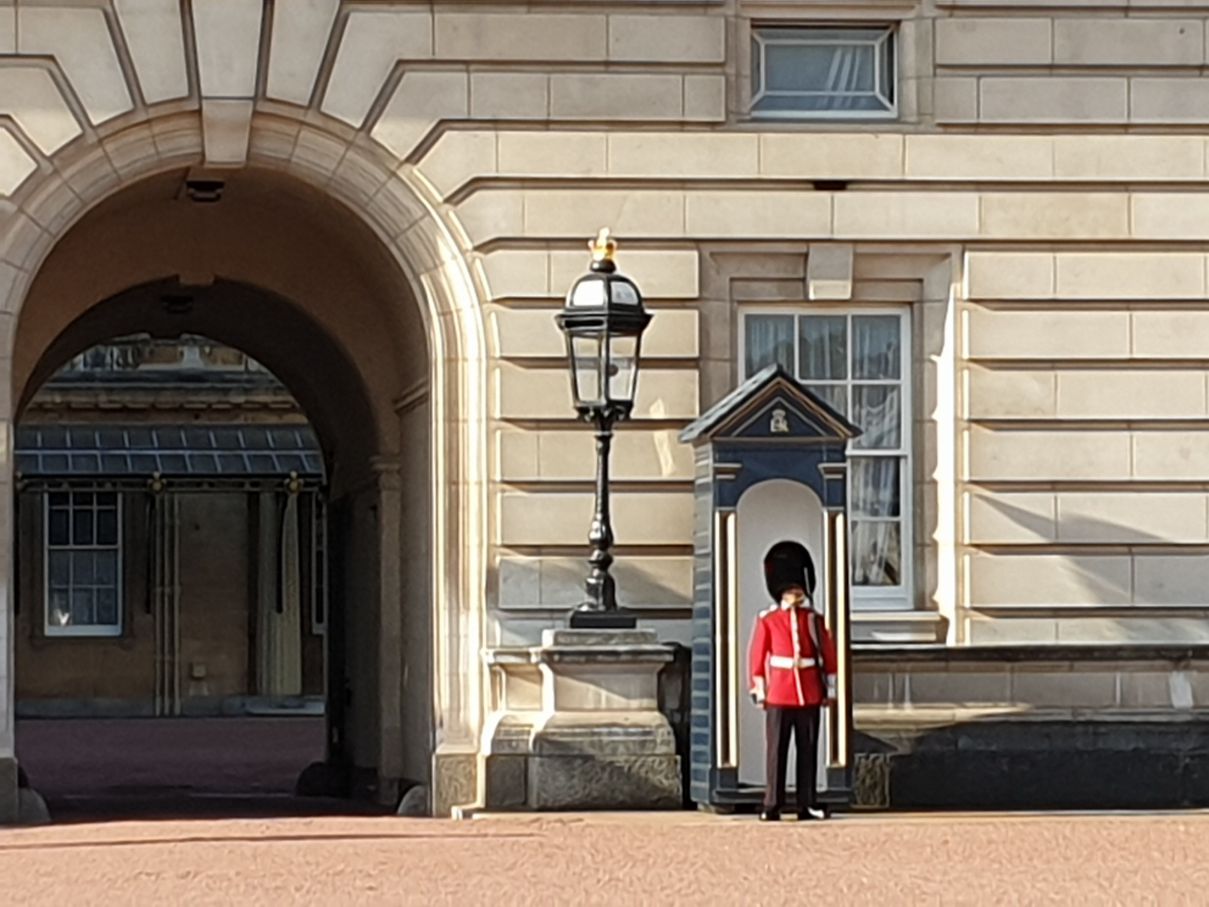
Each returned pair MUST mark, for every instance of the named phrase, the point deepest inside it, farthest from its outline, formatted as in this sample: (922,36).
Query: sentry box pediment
(771,427)
(771,462)
(770,406)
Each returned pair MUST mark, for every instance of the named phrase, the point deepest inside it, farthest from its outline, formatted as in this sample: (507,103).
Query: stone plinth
(576,724)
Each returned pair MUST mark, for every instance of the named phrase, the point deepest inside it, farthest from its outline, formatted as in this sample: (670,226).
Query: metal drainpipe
(157,602)
(176,606)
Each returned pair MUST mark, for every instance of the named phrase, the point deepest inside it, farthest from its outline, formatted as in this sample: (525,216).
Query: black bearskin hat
(788,564)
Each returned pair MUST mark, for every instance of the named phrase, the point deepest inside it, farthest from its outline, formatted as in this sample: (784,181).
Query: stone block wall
(1039,726)
(1060,63)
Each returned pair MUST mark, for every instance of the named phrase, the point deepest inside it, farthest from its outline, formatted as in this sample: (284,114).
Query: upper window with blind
(858,361)
(823,71)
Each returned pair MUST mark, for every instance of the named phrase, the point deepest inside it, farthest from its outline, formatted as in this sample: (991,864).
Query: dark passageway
(153,768)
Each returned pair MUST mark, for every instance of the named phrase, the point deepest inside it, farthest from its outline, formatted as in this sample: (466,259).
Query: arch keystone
(226,131)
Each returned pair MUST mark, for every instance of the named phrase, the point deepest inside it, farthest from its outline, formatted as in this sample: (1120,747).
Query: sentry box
(771,464)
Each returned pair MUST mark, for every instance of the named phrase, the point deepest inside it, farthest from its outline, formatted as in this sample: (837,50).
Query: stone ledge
(897,627)
(870,654)
(911,717)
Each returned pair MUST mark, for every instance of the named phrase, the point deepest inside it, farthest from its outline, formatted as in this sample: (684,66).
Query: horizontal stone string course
(533,334)
(548,274)
(1098,275)
(459,156)
(567,454)
(523,392)
(557,582)
(490,215)
(561,518)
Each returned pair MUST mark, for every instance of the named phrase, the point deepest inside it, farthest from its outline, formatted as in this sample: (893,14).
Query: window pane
(877,411)
(878,346)
(107,499)
(83,568)
(60,609)
(59,567)
(769,341)
(107,527)
(82,610)
(82,498)
(816,70)
(107,607)
(823,347)
(874,487)
(58,532)
(81,527)
(834,395)
(876,553)
(106,567)
(830,68)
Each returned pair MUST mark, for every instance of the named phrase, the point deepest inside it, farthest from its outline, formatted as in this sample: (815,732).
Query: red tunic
(783,663)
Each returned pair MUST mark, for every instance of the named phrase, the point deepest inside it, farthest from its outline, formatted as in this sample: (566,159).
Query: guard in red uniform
(792,667)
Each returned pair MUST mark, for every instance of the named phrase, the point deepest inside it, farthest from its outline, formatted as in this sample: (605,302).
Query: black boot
(770,815)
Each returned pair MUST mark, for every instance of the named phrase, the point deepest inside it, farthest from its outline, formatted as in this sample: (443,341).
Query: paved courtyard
(236,836)
(609,859)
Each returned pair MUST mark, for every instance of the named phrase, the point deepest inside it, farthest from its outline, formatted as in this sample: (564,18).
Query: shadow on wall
(1005,764)
(1109,566)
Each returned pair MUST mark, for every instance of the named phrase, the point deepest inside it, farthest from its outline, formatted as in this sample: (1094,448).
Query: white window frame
(889,33)
(866,598)
(84,630)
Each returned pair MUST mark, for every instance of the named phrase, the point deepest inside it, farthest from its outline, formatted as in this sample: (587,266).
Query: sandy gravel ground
(606,859)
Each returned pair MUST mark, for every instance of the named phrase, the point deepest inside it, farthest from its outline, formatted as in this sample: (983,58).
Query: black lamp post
(603,320)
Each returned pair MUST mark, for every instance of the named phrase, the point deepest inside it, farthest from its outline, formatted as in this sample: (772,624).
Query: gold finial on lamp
(604,247)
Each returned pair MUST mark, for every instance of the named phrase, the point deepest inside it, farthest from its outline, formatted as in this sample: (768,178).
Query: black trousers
(779,723)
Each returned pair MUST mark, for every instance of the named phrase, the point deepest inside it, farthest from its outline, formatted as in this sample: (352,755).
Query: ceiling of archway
(274,269)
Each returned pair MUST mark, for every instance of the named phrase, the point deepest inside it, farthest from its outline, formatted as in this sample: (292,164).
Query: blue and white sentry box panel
(771,465)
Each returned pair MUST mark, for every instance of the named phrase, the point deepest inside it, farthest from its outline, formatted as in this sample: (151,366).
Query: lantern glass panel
(589,293)
(587,360)
(623,360)
(625,293)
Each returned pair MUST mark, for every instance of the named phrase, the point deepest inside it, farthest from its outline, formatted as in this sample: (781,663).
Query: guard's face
(794,595)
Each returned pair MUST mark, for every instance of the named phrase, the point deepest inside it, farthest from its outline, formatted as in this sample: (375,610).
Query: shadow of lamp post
(603,321)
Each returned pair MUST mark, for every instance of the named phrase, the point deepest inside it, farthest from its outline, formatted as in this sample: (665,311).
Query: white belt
(788,661)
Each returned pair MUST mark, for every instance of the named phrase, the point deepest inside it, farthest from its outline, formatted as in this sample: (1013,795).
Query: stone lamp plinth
(576,724)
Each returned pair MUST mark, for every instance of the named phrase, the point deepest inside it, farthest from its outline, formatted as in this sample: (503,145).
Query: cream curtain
(279,615)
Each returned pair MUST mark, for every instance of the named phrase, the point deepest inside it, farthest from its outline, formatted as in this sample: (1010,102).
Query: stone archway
(408,318)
